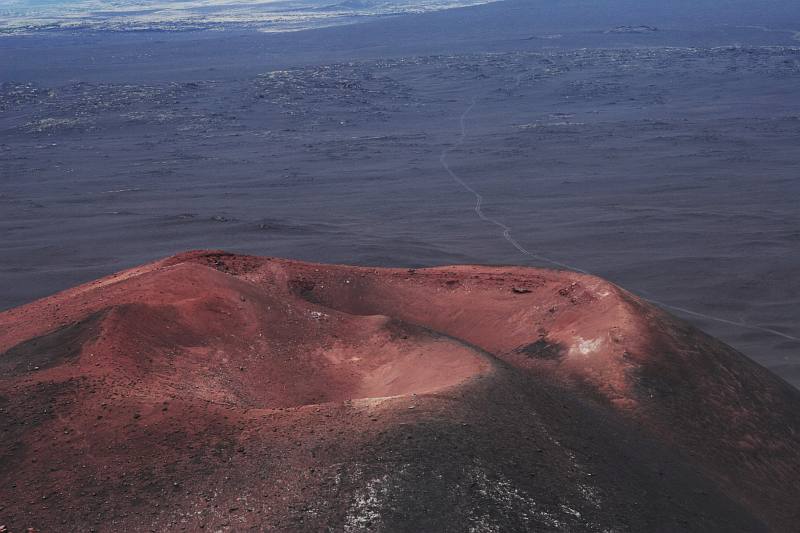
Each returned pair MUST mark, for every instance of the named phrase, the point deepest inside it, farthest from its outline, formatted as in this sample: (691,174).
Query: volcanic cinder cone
(226,392)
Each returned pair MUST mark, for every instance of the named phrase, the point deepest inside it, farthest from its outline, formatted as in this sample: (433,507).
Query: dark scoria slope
(223,392)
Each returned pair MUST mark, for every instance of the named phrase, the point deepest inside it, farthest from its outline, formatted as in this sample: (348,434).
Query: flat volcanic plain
(228,392)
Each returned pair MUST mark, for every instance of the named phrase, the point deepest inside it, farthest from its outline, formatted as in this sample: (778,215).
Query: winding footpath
(506,232)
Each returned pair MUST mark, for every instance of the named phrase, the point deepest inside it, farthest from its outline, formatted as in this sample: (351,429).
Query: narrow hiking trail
(506,234)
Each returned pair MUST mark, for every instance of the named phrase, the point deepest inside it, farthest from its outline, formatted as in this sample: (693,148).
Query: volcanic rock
(308,397)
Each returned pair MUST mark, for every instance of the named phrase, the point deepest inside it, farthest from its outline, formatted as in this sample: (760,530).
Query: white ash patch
(559,124)
(365,511)
(151,117)
(590,494)
(511,503)
(47,125)
(506,498)
(585,346)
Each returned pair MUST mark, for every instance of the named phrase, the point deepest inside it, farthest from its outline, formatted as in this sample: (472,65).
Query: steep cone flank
(211,390)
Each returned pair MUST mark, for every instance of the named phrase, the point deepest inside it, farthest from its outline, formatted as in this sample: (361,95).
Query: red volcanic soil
(223,392)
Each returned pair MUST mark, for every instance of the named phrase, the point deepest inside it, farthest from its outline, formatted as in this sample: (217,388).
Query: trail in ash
(506,232)
(479,201)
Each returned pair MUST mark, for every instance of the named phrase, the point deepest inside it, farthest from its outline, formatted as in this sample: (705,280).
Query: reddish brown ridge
(226,392)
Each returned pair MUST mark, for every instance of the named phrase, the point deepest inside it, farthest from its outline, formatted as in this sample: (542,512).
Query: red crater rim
(223,391)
